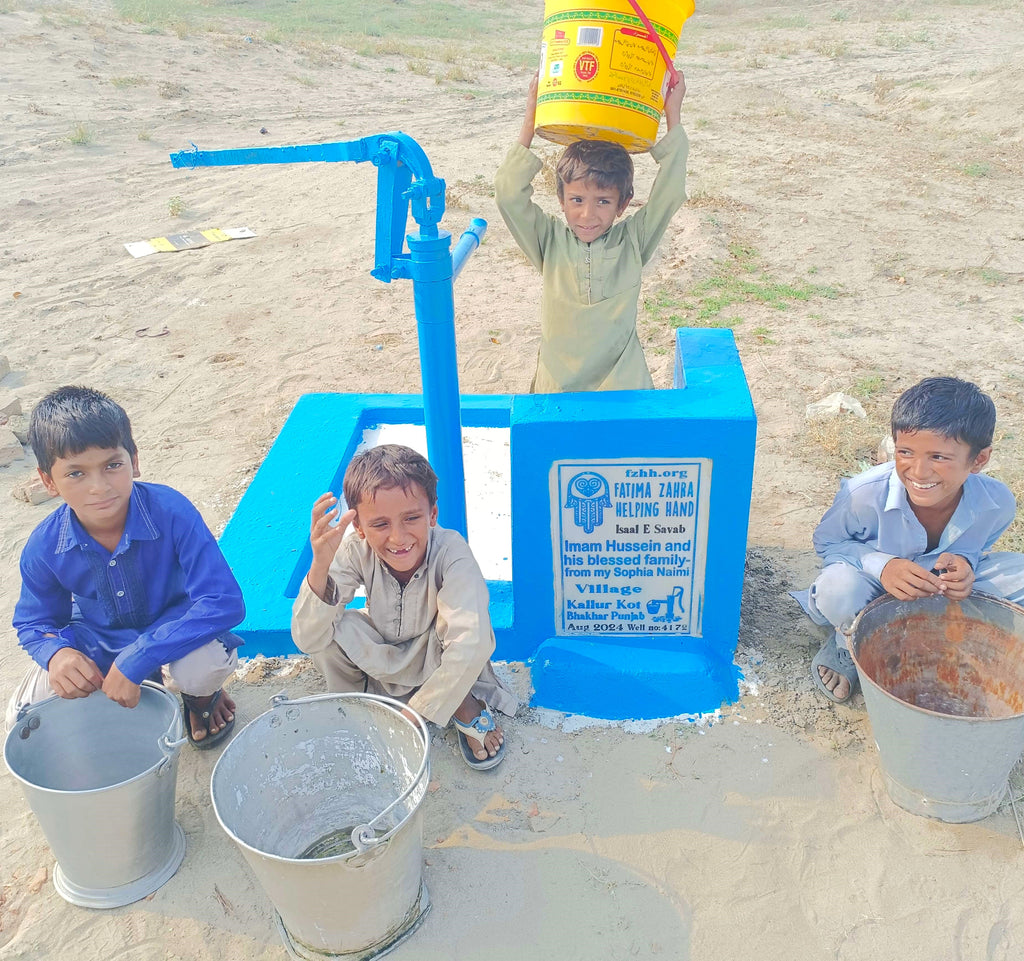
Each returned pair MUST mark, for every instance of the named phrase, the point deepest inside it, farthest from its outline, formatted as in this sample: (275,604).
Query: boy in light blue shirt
(919,525)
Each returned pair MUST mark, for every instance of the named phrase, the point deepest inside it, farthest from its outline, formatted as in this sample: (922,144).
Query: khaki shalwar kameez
(590,291)
(431,638)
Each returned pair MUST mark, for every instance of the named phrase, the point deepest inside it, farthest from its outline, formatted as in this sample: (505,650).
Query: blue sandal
(477,729)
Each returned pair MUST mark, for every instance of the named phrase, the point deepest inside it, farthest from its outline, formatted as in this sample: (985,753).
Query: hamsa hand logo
(588,495)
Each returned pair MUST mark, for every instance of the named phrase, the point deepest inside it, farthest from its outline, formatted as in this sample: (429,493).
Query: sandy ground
(872,150)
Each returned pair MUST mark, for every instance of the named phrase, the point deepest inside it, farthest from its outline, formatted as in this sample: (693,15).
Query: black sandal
(206,713)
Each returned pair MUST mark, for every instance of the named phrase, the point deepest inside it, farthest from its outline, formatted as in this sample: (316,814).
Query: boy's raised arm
(674,103)
(669,189)
(325,540)
(513,191)
(331,581)
(530,118)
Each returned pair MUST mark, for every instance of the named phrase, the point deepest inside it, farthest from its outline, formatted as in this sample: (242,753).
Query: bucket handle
(25,709)
(170,750)
(364,836)
(670,66)
(168,744)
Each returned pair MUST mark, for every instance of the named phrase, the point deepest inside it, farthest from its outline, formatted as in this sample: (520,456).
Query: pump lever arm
(405,182)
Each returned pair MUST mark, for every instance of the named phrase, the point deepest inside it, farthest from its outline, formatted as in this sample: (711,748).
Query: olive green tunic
(590,291)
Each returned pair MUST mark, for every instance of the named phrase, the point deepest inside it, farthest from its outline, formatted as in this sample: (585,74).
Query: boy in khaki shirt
(425,635)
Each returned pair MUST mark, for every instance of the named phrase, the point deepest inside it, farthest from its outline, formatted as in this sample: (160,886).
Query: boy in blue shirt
(123,578)
(919,525)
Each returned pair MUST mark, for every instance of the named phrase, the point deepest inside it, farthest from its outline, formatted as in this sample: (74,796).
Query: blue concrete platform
(629,521)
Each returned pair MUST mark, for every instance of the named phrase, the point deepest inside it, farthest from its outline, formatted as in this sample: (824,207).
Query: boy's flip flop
(476,730)
(206,713)
(837,659)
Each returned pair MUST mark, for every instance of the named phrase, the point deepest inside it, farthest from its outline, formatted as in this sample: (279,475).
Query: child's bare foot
(208,715)
(466,712)
(834,672)
(835,682)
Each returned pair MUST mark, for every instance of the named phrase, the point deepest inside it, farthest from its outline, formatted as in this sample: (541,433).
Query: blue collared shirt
(165,591)
(871,522)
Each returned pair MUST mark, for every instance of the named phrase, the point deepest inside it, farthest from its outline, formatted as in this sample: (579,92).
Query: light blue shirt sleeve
(849,531)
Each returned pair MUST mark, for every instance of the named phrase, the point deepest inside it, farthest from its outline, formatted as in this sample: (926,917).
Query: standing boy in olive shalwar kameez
(591,265)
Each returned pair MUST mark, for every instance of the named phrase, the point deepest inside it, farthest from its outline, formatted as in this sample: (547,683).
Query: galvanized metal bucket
(322,796)
(101,781)
(944,687)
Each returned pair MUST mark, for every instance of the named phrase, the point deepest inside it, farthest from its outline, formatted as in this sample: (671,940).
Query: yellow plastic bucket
(601,75)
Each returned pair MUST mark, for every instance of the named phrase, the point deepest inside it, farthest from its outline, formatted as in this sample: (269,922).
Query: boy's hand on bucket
(118,688)
(909,581)
(674,102)
(956,576)
(72,674)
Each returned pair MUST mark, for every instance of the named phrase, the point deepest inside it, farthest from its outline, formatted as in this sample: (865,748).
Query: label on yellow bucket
(602,77)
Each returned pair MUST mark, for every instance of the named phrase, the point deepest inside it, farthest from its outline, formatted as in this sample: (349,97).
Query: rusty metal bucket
(944,686)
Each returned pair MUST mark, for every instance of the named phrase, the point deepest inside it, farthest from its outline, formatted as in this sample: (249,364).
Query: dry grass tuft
(843,445)
(459,73)
(468,194)
(883,87)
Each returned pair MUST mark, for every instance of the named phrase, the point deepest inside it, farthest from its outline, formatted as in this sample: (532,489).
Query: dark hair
(605,164)
(386,467)
(70,420)
(948,406)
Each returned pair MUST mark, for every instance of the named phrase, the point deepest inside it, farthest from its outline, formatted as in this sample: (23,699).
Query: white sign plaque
(630,541)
